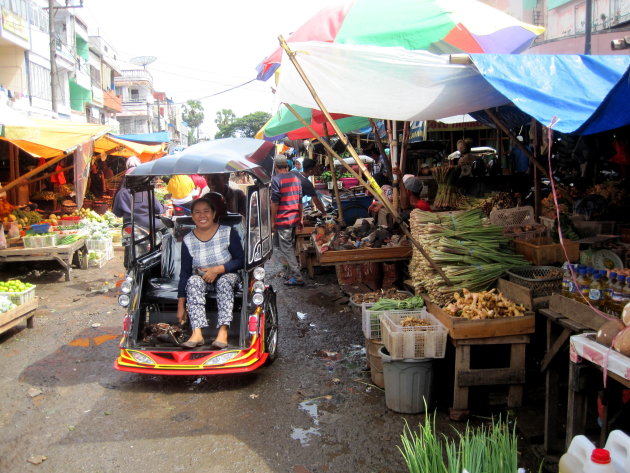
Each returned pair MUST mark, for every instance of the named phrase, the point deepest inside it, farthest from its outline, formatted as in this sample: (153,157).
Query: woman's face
(203,215)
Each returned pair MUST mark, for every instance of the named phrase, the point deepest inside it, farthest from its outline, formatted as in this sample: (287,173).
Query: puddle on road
(305,435)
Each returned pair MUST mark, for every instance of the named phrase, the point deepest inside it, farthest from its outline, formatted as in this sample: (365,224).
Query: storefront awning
(583,92)
(158,137)
(109,144)
(50,138)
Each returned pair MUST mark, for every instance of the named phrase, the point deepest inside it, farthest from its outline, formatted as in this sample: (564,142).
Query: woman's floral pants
(196,290)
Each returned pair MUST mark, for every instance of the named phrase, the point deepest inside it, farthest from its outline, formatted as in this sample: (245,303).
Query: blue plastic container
(40,228)
(354,208)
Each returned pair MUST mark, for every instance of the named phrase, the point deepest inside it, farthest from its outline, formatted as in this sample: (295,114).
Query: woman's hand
(212,273)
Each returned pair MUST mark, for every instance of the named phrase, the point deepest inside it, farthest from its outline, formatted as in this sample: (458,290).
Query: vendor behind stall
(309,168)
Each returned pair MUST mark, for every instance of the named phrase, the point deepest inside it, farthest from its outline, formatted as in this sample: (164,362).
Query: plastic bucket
(376,363)
(408,383)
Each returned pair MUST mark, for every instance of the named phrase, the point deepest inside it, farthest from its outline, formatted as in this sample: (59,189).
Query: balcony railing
(135,74)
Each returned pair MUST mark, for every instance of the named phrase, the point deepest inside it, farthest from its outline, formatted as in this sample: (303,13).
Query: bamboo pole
(520,145)
(378,192)
(35,171)
(393,154)
(404,148)
(331,164)
(378,196)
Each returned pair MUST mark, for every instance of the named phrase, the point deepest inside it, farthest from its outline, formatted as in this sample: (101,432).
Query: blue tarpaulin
(158,137)
(587,94)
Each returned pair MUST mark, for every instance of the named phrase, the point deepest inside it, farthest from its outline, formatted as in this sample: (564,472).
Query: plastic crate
(49,240)
(99,245)
(28,241)
(40,227)
(539,279)
(428,341)
(513,216)
(543,252)
(370,319)
(19,298)
(97,261)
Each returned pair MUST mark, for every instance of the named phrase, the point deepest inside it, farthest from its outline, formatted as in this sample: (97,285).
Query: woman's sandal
(190,344)
(218,345)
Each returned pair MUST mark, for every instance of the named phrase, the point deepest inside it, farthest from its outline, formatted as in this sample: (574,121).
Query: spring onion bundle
(491,449)
(410,303)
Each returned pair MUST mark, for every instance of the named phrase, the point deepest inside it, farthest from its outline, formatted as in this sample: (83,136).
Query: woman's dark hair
(215,201)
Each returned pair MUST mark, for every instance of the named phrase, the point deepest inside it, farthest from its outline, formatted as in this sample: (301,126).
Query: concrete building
(139,114)
(565,23)
(105,104)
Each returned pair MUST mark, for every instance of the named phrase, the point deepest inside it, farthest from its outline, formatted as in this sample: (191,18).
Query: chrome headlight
(258,286)
(221,359)
(126,286)
(141,358)
(258,298)
(259,273)
(123,300)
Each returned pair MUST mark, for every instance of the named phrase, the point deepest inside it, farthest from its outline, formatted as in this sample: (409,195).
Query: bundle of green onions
(473,255)
(491,449)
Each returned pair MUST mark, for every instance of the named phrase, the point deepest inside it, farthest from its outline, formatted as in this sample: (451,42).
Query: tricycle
(152,335)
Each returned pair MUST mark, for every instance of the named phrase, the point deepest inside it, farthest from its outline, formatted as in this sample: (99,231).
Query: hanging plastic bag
(3,240)
(14,231)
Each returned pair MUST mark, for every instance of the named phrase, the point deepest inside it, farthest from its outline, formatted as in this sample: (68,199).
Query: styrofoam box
(19,298)
(427,341)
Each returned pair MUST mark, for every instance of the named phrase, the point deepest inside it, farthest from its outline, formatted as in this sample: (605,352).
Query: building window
(135,95)
(40,81)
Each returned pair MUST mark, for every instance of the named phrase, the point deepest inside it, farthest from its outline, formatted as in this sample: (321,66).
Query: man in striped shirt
(286,214)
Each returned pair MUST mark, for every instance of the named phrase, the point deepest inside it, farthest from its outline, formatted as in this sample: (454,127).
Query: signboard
(417,132)
(433,125)
(14,23)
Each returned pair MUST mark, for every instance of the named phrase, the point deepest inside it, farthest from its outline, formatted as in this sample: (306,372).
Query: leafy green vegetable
(415,302)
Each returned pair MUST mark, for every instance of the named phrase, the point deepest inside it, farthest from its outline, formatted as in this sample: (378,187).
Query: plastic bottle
(567,281)
(617,302)
(605,284)
(612,280)
(618,444)
(584,285)
(626,294)
(583,457)
(595,291)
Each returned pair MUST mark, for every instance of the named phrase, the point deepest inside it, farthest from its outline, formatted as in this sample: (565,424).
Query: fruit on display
(608,331)
(14,285)
(5,304)
(25,217)
(5,209)
(44,195)
(622,343)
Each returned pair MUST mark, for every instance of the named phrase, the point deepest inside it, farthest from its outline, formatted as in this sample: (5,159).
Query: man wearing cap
(410,192)
(308,169)
(286,214)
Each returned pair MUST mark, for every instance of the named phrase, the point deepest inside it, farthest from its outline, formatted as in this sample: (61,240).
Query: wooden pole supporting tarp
(331,164)
(378,196)
(520,145)
(29,174)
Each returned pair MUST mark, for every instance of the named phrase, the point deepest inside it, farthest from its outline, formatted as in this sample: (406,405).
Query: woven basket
(100,207)
(541,280)
(513,216)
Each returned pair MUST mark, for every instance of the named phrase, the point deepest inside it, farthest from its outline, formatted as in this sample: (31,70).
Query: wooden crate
(362,255)
(542,252)
(460,328)
(13,317)
(576,311)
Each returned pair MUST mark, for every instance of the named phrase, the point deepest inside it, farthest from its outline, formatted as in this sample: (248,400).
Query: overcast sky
(202,46)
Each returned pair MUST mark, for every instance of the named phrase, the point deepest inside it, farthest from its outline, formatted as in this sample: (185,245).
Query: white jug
(583,457)
(618,444)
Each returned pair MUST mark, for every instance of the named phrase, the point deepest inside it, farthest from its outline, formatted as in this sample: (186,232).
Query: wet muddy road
(313,410)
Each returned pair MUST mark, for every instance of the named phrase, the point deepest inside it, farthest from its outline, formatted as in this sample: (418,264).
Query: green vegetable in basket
(415,302)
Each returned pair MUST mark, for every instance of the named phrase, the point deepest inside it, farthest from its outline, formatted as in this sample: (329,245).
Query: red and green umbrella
(439,26)
(285,124)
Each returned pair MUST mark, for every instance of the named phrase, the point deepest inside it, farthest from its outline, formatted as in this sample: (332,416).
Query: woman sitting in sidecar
(211,255)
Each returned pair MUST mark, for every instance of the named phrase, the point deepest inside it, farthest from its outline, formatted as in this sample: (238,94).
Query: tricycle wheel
(271,329)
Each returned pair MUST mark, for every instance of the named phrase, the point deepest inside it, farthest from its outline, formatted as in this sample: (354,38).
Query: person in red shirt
(286,214)
(410,193)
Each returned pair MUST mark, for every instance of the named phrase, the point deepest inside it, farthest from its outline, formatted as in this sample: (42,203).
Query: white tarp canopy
(388,83)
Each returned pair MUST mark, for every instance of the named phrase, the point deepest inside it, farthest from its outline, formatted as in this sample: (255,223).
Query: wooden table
(23,312)
(64,254)
(565,317)
(304,249)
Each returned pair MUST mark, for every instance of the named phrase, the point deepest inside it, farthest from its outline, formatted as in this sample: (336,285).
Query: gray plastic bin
(408,383)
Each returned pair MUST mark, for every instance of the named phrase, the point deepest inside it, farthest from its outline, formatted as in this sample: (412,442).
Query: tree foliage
(224,118)
(243,127)
(193,115)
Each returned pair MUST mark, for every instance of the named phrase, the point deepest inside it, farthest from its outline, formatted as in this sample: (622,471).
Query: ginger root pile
(483,305)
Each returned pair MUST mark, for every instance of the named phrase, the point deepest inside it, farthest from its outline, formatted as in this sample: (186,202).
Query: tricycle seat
(164,289)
